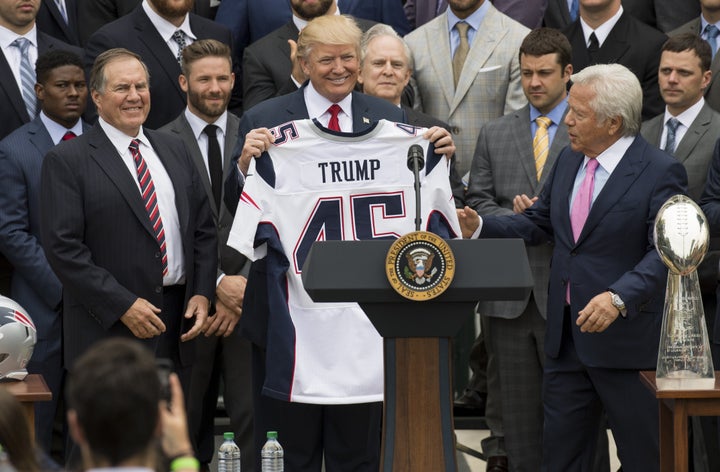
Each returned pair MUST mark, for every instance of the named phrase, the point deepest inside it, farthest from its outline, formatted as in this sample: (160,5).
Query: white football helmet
(17,339)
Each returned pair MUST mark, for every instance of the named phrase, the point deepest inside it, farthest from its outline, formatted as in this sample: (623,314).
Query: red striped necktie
(147,188)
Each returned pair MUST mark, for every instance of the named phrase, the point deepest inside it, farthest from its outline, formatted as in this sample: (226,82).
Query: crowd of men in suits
(128,126)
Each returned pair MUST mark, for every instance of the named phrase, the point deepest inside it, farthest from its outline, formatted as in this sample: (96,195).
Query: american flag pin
(366,120)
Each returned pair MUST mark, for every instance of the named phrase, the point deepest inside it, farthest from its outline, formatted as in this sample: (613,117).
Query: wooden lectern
(417,421)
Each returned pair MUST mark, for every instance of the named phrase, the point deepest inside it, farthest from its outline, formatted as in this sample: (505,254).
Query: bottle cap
(272,434)
(230,436)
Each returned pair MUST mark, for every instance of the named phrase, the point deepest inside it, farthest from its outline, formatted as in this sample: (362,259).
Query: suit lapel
(560,141)
(57,16)
(697,130)
(362,118)
(522,140)
(440,58)
(11,88)
(481,49)
(181,128)
(616,43)
(566,171)
(107,158)
(625,174)
(653,130)
(39,136)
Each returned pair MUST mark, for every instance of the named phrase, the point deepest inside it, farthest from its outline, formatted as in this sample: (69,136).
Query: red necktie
(68,136)
(334,124)
(149,197)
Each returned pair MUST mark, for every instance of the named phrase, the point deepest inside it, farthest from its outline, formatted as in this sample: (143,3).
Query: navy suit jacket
(49,20)
(136,32)
(614,251)
(99,241)
(279,110)
(34,284)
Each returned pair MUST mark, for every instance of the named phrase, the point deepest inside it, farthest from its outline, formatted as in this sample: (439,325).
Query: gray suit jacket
(231,261)
(504,166)
(489,85)
(696,148)
(712,94)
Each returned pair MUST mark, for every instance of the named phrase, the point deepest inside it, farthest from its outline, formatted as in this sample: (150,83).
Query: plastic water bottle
(229,455)
(272,454)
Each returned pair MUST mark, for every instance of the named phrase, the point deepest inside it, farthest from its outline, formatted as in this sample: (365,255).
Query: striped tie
(541,144)
(150,199)
(27,77)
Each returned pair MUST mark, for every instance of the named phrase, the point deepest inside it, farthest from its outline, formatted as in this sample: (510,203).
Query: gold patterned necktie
(541,144)
(461,51)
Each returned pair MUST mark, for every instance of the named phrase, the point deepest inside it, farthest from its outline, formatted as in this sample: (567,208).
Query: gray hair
(617,93)
(377,31)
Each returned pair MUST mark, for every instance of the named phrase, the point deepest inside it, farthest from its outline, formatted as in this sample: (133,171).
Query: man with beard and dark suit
(385,70)
(157,30)
(126,225)
(62,93)
(607,282)
(269,65)
(604,34)
(208,80)
(329,51)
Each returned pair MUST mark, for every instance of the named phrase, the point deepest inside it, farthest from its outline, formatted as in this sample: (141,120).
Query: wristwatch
(617,302)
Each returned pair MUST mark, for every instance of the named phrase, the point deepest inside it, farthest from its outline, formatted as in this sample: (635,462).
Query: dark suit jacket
(418,118)
(710,205)
(98,238)
(231,261)
(632,44)
(136,32)
(93,14)
(614,251)
(267,66)
(34,285)
(420,12)
(557,14)
(50,21)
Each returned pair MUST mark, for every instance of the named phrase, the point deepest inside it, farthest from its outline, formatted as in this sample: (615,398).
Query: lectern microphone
(415,162)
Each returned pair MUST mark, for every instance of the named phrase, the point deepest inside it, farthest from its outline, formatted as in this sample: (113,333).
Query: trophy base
(684,380)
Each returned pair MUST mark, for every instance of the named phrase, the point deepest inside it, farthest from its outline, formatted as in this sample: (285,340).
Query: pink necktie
(334,124)
(583,199)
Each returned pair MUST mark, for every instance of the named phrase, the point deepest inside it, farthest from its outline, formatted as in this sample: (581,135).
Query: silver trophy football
(682,238)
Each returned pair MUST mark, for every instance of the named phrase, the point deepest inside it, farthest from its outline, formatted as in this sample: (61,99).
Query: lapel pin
(366,120)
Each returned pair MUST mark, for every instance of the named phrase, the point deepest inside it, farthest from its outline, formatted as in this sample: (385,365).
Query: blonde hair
(335,30)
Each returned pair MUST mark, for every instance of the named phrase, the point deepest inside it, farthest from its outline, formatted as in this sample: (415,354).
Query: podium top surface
(32,389)
(485,269)
(648,378)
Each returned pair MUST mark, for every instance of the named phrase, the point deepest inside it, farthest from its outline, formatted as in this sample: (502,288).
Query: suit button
(455,130)
(157,255)
(158,289)
(573,253)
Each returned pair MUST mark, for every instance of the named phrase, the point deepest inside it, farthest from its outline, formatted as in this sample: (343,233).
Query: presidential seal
(420,265)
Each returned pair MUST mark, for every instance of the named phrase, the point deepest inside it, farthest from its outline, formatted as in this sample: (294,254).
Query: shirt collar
(120,140)
(556,114)
(56,130)
(300,24)
(198,125)
(602,31)
(317,104)
(7,36)
(704,23)
(687,117)
(610,157)
(164,27)
(473,20)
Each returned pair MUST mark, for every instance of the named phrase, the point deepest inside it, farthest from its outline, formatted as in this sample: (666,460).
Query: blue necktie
(672,127)
(711,34)
(27,77)
(574,10)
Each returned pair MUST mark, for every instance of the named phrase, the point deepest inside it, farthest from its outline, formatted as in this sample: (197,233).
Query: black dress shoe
(471,403)
(497,464)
